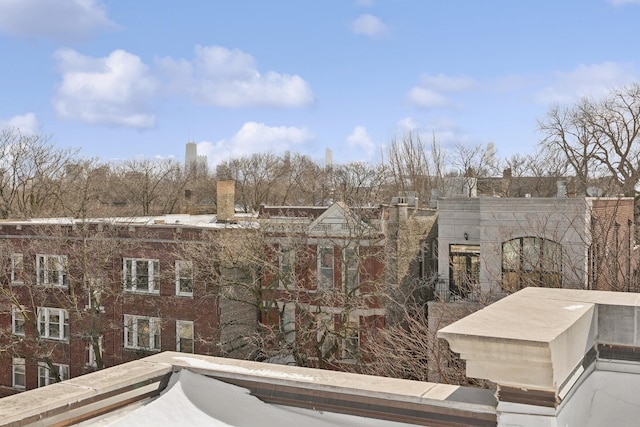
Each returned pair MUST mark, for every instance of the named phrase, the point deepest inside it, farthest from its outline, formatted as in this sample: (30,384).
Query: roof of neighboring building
(200,221)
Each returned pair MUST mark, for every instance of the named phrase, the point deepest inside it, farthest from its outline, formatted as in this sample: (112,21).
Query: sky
(139,79)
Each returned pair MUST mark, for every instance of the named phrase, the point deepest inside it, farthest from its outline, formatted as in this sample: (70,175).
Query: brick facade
(94,256)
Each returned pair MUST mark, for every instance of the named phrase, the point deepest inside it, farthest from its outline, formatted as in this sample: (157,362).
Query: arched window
(531,261)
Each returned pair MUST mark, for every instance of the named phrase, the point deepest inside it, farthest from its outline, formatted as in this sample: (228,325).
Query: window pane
(530,253)
(54,324)
(511,255)
(18,321)
(325,276)
(143,333)
(184,272)
(541,263)
(156,334)
(17,267)
(129,332)
(19,373)
(142,275)
(185,337)
(128,273)
(326,258)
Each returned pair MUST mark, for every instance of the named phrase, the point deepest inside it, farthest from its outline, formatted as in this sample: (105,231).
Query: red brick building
(333,270)
(79,296)
(306,286)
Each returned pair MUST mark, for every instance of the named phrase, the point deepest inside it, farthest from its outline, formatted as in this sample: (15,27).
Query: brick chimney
(226,201)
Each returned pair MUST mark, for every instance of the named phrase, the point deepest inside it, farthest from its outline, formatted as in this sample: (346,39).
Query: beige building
(494,246)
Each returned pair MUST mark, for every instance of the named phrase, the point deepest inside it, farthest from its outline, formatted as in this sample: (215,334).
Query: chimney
(226,201)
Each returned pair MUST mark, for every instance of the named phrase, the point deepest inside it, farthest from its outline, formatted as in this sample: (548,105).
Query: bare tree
(30,166)
(357,183)
(598,137)
(415,165)
(151,186)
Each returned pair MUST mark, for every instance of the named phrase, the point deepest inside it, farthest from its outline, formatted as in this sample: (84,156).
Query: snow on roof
(192,399)
(204,221)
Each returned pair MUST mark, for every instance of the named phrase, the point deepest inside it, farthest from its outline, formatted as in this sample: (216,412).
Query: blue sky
(123,79)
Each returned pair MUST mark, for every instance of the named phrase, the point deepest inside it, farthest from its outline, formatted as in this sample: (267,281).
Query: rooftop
(177,388)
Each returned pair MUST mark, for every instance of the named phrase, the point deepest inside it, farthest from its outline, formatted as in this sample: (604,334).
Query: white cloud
(591,81)
(361,141)
(369,25)
(58,19)
(445,130)
(444,83)
(229,78)
(407,125)
(113,90)
(433,90)
(255,138)
(26,123)
(428,98)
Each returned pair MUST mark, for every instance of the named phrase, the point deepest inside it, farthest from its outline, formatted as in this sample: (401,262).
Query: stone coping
(99,393)
(538,337)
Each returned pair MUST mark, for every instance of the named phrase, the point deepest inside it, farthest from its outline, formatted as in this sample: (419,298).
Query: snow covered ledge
(539,345)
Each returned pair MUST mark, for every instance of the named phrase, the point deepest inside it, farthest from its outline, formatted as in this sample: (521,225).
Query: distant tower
(328,158)
(191,154)
(192,160)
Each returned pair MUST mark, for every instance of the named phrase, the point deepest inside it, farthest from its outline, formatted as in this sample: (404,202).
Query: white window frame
(289,322)
(46,328)
(17,317)
(19,367)
(132,335)
(351,329)
(44,373)
(92,360)
(286,265)
(181,266)
(325,324)
(323,251)
(350,273)
(130,278)
(179,328)
(17,268)
(56,264)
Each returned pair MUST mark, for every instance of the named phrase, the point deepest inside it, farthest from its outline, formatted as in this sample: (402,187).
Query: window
(142,332)
(325,267)
(94,294)
(288,326)
(51,270)
(17,320)
(53,323)
(141,275)
(17,268)
(286,260)
(184,335)
(184,278)
(464,269)
(351,340)
(531,261)
(326,335)
(19,373)
(93,356)
(48,376)
(350,277)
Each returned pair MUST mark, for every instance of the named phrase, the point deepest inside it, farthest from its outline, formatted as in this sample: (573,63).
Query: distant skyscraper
(192,160)
(328,158)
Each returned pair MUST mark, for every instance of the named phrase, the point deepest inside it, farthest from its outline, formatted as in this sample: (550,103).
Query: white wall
(490,221)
